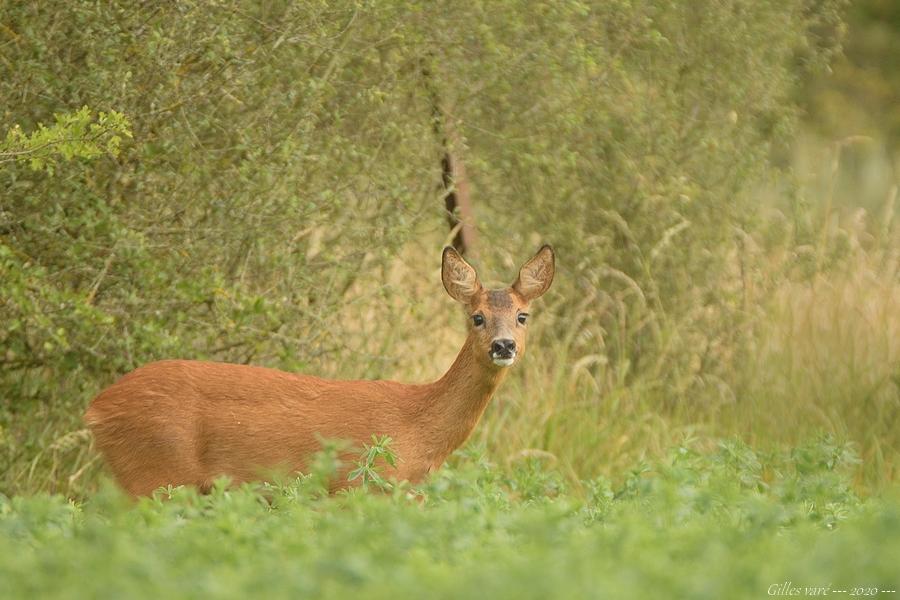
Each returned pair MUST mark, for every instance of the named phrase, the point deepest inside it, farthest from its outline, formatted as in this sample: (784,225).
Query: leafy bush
(279,201)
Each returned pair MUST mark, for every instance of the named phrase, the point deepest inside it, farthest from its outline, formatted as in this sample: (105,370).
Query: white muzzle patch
(504,362)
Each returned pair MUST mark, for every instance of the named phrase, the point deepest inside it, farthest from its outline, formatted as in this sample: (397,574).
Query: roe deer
(187,422)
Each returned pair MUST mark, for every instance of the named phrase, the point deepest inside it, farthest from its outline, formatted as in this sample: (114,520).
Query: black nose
(503,347)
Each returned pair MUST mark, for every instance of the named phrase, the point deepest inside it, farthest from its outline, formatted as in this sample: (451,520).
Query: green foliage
(368,469)
(72,135)
(691,525)
(860,93)
(278,203)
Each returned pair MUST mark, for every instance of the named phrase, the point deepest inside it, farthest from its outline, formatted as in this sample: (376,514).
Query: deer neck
(455,402)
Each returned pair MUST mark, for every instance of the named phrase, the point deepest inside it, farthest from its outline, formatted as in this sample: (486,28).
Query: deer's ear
(460,279)
(536,275)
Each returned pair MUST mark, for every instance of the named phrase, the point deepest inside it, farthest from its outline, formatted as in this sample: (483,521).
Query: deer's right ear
(459,277)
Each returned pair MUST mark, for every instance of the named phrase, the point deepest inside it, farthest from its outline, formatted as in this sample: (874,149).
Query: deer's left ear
(536,275)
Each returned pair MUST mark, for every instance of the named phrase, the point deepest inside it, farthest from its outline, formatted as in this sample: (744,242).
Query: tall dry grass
(799,337)
(819,355)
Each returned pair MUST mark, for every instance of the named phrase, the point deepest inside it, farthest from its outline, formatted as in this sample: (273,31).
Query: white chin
(504,362)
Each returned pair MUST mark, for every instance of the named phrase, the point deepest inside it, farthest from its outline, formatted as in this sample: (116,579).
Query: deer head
(498,319)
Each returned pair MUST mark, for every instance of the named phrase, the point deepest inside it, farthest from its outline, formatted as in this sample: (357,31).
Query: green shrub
(279,200)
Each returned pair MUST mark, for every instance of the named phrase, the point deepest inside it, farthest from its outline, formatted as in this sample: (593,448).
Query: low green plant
(368,468)
(727,522)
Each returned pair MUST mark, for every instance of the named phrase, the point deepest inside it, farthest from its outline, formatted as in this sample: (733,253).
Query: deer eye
(522,318)
(478,320)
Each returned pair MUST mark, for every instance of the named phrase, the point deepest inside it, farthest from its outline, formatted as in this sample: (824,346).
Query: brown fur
(187,422)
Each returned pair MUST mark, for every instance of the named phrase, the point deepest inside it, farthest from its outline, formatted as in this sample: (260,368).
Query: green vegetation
(260,182)
(77,134)
(727,524)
